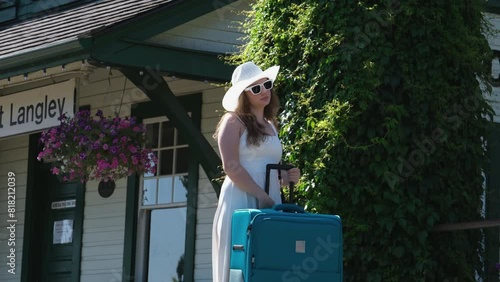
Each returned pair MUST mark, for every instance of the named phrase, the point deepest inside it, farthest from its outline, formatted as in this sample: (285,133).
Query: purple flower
(96,145)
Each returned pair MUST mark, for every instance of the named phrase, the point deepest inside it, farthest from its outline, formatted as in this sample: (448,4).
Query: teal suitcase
(285,244)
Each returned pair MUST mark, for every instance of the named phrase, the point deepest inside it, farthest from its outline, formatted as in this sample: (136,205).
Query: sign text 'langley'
(34,113)
(36,109)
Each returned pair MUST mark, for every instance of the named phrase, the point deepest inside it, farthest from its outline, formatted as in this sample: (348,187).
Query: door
(57,228)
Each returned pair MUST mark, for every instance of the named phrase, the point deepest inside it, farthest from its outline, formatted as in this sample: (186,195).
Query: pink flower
(102,165)
(125,124)
(135,160)
(55,170)
(40,156)
(114,163)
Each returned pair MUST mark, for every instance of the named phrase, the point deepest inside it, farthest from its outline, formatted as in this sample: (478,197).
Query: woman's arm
(230,131)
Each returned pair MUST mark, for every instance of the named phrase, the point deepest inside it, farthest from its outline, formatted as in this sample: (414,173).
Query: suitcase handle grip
(289,208)
(278,167)
(240,248)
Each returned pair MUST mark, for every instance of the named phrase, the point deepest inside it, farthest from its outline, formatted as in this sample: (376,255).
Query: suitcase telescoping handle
(269,167)
(283,207)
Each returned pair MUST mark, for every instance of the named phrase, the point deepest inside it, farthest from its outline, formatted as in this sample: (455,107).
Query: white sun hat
(243,76)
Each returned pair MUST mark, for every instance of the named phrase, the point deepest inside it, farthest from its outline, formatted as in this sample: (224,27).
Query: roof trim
(47,56)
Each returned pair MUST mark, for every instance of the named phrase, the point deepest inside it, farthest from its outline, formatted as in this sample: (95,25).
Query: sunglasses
(257,88)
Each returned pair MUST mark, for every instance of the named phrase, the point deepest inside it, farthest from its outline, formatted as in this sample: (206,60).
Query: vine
(384,115)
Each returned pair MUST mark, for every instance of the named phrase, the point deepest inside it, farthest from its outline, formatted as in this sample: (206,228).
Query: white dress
(254,160)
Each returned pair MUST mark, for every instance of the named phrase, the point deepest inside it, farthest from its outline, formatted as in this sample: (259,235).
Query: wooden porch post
(155,87)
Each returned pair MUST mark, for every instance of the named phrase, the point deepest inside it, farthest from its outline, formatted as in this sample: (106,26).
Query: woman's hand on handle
(291,175)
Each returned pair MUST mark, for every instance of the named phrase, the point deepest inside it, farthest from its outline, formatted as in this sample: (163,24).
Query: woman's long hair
(256,133)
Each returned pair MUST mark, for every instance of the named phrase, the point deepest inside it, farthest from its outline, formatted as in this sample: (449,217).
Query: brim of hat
(230,100)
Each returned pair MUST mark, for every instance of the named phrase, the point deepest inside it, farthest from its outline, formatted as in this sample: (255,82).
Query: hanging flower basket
(97,148)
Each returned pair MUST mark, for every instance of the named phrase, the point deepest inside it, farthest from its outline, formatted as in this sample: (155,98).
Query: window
(163,204)
(168,186)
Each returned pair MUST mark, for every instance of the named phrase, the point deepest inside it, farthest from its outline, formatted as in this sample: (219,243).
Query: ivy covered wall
(383,112)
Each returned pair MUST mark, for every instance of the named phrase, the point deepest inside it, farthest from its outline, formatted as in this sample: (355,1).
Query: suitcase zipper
(249,230)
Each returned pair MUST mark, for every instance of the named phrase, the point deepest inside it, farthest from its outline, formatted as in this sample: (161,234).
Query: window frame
(160,148)
(191,103)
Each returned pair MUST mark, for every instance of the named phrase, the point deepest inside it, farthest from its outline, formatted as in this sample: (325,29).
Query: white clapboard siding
(494,42)
(207,200)
(103,234)
(13,158)
(494,101)
(219,31)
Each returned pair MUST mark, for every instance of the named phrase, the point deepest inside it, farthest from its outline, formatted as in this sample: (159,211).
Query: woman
(248,141)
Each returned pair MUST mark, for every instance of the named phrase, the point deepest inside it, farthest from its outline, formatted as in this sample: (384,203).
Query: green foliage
(384,115)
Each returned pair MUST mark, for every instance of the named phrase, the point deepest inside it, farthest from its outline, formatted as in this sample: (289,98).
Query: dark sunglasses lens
(268,84)
(256,89)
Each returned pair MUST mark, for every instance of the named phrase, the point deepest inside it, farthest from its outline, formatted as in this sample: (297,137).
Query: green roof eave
(52,55)
(174,61)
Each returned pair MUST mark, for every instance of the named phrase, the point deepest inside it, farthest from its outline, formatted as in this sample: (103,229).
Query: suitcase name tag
(300,247)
